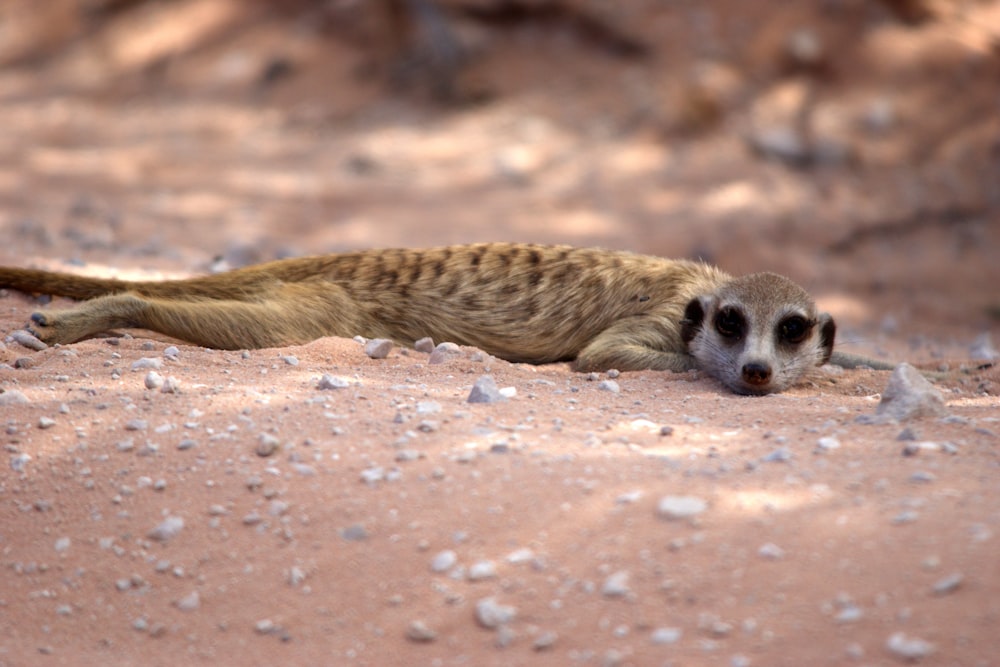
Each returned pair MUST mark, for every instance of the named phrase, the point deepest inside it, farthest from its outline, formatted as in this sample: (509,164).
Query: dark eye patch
(730,323)
(794,329)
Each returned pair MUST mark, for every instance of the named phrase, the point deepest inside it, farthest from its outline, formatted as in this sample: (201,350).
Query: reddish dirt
(145,143)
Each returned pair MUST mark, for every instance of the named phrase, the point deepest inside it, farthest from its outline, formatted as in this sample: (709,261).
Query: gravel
(22,337)
(484,569)
(418,631)
(680,507)
(443,353)
(909,395)
(491,614)
(949,584)
(485,390)
(332,382)
(13,397)
(169,528)
(663,636)
(444,561)
(616,584)
(378,348)
(147,363)
(908,648)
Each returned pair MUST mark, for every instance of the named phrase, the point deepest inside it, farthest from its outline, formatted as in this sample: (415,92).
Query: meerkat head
(757,334)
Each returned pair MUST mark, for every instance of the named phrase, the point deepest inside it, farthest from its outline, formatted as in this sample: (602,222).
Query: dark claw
(39,319)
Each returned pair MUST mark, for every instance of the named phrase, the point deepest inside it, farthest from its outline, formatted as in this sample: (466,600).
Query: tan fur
(600,309)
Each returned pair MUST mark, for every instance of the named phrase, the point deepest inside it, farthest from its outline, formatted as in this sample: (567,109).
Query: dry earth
(143,527)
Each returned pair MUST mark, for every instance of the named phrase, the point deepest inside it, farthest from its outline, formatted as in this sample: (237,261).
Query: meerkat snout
(757,334)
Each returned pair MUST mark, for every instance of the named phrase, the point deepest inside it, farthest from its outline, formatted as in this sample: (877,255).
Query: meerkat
(598,309)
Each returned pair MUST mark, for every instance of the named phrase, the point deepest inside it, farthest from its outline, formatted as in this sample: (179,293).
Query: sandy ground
(247,516)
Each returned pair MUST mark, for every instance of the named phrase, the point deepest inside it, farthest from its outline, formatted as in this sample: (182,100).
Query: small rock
(22,337)
(167,529)
(46,422)
(909,395)
(491,614)
(849,614)
(609,385)
(444,561)
(666,430)
(62,544)
(949,584)
(519,556)
(418,631)
(354,533)
(484,569)
(680,507)
(544,641)
(485,391)
(616,585)
(296,575)
(12,397)
(771,551)
(443,353)
(147,363)
(290,359)
(170,385)
(136,425)
(332,382)
(666,635)
(153,380)
(827,444)
(171,353)
(425,345)
(428,407)
(378,348)
(267,445)
(982,348)
(19,461)
(908,648)
(780,455)
(189,602)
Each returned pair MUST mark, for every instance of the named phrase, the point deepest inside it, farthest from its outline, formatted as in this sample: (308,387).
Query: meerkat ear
(827,332)
(694,316)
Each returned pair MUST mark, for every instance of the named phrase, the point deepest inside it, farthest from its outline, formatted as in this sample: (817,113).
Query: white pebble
(444,561)
(167,529)
(616,585)
(378,348)
(153,380)
(332,382)
(680,507)
(909,648)
(492,614)
(484,569)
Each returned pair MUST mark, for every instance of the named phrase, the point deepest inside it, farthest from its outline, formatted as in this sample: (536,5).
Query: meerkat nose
(756,373)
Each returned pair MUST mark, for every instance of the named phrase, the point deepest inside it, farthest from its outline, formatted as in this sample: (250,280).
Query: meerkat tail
(54,283)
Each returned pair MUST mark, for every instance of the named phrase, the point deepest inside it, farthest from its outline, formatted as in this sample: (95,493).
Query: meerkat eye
(729,323)
(794,329)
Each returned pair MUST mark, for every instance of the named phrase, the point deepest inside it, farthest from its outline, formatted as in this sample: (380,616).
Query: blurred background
(853,145)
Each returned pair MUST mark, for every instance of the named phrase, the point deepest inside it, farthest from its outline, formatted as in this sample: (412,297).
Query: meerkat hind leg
(293,314)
